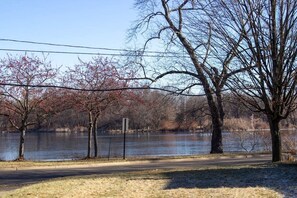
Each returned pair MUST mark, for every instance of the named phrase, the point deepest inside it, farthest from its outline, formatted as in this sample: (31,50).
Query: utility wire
(91,53)
(120,52)
(85,47)
(99,90)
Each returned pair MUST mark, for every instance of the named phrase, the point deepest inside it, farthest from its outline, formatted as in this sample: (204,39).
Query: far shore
(142,131)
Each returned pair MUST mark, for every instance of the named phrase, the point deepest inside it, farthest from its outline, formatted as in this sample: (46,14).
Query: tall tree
(20,99)
(96,76)
(196,57)
(269,49)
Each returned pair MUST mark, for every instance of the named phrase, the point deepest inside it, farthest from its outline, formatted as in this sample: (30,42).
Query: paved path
(11,178)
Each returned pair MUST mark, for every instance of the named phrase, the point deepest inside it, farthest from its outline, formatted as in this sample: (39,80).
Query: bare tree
(269,49)
(195,56)
(19,103)
(100,73)
(150,109)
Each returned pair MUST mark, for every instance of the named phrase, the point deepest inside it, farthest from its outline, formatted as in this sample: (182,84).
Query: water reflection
(53,146)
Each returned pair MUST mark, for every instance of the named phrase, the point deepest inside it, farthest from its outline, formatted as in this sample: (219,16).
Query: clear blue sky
(96,23)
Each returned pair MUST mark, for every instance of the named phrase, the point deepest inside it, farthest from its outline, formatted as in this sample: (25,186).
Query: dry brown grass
(97,161)
(119,187)
(244,124)
(43,164)
(248,181)
(234,124)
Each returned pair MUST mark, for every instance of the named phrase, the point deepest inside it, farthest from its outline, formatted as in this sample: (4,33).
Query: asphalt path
(11,179)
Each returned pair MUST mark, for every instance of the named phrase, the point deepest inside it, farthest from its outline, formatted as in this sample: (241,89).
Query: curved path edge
(13,178)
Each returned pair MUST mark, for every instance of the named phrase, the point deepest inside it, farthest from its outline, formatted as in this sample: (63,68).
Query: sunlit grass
(98,161)
(203,182)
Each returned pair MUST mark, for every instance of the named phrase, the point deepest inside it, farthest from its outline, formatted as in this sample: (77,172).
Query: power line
(61,45)
(89,53)
(99,90)
(125,52)
(85,47)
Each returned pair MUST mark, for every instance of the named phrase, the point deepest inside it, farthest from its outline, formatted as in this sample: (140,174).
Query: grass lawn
(272,180)
(40,164)
(101,161)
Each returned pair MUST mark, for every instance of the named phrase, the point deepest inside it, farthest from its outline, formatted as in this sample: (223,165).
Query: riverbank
(112,131)
(230,176)
(28,164)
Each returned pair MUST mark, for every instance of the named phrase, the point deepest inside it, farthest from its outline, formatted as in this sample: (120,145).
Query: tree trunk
(217,123)
(90,130)
(216,139)
(276,140)
(22,144)
(217,114)
(95,137)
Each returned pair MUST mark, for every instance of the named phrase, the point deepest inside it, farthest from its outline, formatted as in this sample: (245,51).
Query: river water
(63,146)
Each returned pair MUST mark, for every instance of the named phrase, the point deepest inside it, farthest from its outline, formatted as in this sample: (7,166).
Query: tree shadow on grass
(281,178)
